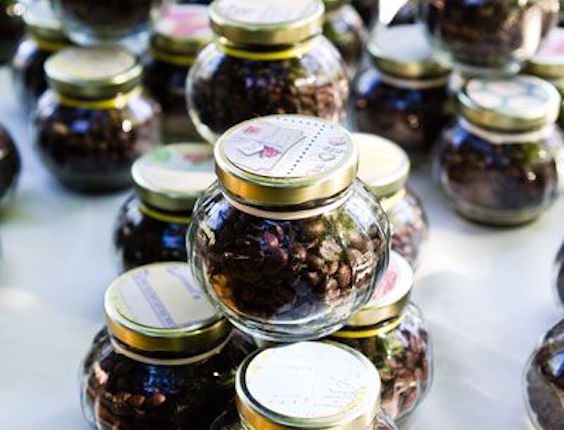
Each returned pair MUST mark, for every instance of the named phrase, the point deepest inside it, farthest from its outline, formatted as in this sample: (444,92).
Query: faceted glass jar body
(504,184)
(286,280)
(119,392)
(92,149)
(11,28)
(224,90)
(10,166)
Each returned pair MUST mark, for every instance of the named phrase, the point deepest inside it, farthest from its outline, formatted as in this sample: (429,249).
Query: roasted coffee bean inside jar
(11,28)
(327,385)
(96,120)
(269,57)
(10,166)
(152,224)
(403,96)
(288,244)
(177,37)
(166,359)
(392,333)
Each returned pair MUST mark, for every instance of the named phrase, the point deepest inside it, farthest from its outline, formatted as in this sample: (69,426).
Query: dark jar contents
(96,120)
(294,258)
(498,163)
(177,37)
(544,381)
(392,334)
(170,366)
(152,224)
(11,28)
(268,58)
(367,9)
(10,166)
(403,96)
(559,272)
(384,167)
(45,37)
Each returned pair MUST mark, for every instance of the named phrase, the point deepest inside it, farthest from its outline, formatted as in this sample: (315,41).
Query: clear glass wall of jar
(96,119)
(288,243)
(152,224)
(392,333)
(272,394)
(404,95)
(11,28)
(166,359)
(10,166)
(177,37)
(559,275)
(269,57)
(498,164)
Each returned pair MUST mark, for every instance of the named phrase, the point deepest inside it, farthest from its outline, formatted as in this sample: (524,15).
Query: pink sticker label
(185,22)
(553,46)
(395,284)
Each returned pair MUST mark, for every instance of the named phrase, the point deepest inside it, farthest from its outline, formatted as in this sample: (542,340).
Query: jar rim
(42,22)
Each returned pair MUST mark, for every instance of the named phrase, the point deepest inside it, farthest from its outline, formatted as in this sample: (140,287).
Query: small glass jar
(177,37)
(559,275)
(45,37)
(11,28)
(307,385)
(166,360)
(10,166)
(288,244)
(269,57)
(544,381)
(384,167)
(404,95)
(498,164)
(392,334)
(344,28)
(96,119)
(152,224)
(484,35)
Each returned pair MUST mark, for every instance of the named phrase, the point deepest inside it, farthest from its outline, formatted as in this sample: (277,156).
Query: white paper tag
(185,21)
(395,284)
(266,11)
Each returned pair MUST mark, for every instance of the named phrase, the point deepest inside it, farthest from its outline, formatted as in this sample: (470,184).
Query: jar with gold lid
(11,28)
(152,224)
(307,385)
(392,333)
(268,57)
(288,244)
(96,119)
(166,359)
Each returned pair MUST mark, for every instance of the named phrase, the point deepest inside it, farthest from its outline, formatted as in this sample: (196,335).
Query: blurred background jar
(152,223)
(11,28)
(367,9)
(559,274)
(550,15)
(177,37)
(384,167)
(96,120)
(10,166)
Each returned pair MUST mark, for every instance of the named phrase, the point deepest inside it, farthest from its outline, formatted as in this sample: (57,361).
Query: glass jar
(343,26)
(166,359)
(550,13)
(11,28)
(10,166)
(404,95)
(314,392)
(392,334)
(559,274)
(544,381)
(384,167)
(289,244)
(269,57)
(96,119)
(498,164)
(486,34)
(177,37)
(152,224)
(45,37)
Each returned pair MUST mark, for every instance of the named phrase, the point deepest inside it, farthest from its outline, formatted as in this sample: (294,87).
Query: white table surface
(487,294)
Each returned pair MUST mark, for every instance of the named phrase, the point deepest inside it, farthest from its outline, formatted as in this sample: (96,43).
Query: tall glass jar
(177,37)
(288,244)
(10,166)
(45,37)
(392,333)
(404,95)
(96,119)
(384,167)
(152,224)
(498,164)
(11,28)
(166,360)
(269,57)
(308,385)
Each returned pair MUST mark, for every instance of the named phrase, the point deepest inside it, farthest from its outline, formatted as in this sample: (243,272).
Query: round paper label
(40,14)
(404,43)
(552,48)
(185,22)
(396,283)
(90,64)
(267,11)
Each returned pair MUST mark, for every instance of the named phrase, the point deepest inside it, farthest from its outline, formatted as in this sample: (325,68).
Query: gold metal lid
(160,308)
(308,385)
(42,22)
(515,104)
(404,51)
(267,22)
(93,73)
(285,160)
(173,177)
(383,166)
(182,29)
(548,62)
